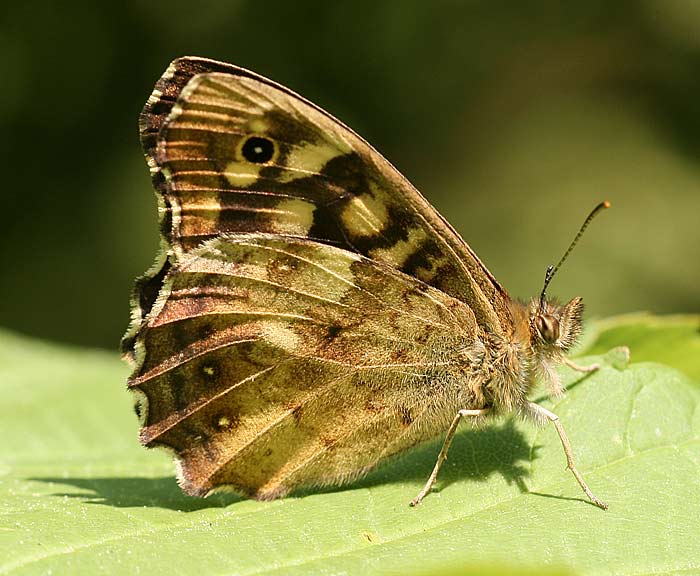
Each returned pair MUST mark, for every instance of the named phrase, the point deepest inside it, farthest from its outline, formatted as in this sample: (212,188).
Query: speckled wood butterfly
(310,313)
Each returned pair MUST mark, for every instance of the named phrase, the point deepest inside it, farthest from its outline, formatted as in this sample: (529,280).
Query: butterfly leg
(443,452)
(554,419)
(579,368)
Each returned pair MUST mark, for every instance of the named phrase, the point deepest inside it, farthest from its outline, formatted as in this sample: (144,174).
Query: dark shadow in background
(79,212)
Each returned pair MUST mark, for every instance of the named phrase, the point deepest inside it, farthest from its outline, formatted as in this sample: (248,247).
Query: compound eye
(548,327)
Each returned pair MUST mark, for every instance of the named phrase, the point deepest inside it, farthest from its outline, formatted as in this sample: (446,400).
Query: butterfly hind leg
(443,452)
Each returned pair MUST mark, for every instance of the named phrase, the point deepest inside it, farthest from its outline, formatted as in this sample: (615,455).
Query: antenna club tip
(606,204)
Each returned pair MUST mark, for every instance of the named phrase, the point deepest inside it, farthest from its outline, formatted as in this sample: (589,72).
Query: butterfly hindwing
(290,355)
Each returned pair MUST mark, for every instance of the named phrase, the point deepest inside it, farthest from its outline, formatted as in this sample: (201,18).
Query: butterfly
(310,314)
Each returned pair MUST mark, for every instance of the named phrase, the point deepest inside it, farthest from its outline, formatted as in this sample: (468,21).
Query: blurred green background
(513,118)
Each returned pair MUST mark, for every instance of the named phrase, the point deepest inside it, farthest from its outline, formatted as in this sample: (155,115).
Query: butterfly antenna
(552,270)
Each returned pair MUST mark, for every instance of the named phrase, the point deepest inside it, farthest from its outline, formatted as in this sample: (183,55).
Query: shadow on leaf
(134,492)
(475,455)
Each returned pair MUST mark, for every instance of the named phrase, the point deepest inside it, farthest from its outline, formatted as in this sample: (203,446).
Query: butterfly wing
(233,152)
(267,360)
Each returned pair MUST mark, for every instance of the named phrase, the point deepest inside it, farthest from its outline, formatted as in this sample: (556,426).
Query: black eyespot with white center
(258,150)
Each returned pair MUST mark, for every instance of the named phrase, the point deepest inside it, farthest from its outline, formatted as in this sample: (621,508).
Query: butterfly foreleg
(538,410)
(443,451)
(571,364)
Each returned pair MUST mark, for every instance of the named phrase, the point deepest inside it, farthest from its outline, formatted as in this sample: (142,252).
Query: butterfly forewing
(233,152)
(290,354)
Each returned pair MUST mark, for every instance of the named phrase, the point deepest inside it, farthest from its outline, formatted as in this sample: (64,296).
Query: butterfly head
(554,328)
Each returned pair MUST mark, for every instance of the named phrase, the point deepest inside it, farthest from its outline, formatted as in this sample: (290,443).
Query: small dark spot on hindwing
(405,415)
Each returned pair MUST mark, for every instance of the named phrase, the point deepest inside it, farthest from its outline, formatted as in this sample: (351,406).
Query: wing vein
(351,284)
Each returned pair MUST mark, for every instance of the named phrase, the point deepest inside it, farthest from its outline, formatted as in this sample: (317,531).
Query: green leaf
(670,340)
(78,494)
